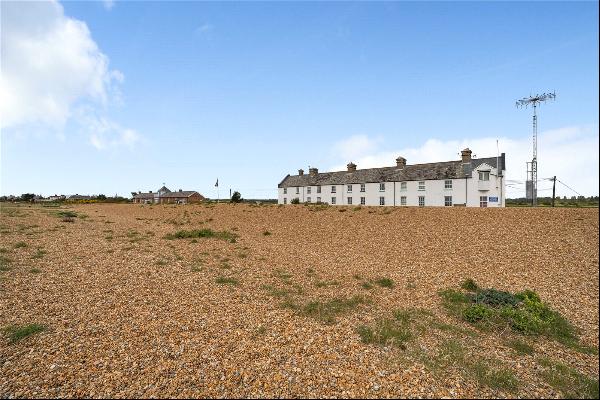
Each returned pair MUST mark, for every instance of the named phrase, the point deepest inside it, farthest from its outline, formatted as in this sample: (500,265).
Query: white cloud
(355,146)
(570,153)
(50,66)
(106,134)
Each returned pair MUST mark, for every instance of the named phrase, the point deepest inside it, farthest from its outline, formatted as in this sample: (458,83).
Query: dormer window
(484,175)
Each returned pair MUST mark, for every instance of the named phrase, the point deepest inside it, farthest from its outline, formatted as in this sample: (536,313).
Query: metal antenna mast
(531,187)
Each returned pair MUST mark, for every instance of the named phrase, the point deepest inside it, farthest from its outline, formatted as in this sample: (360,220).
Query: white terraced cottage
(471,182)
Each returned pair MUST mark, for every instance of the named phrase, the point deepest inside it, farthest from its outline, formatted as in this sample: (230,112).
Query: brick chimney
(313,171)
(400,162)
(466,155)
(351,167)
(300,172)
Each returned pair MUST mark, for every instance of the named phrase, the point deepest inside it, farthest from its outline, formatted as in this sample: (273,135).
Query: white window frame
(483,201)
(421,185)
(284,200)
(333,200)
(363,201)
(308,199)
(382,187)
(318,189)
(402,200)
(297,190)
(402,185)
(349,200)
(333,189)
(448,184)
(349,188)
(318,199)
(284,190)
(484,176)
(421,201)
(382,200)
(362,187)
(308,190)
(447,201)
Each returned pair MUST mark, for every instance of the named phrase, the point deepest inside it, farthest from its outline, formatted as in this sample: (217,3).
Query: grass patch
(202,233)
(222,280)
(321,284)
(393,332)
(35,270)
(494,378)
(4,263)
(16,333)
(367,285)
(266,233)
(385,282)
(326,311)
(570,382)
(161,262)
(20,245)
(39,254)
(522,348)
(276,292)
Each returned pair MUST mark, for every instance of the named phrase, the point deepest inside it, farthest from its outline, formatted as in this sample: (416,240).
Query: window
(349,200)
(297,190)
(333,189)
(421,201)
(402,200)
(362,187)
(284,190)
(421,185)
(318,199)
(363,201)
(402,185)
(333,200)
(382,187)
(448,184)
(318,189)
(284,201)
(448,201)
(308,199)
(382,201)
(349,188)
(308,190)
(483,200)
(484,175)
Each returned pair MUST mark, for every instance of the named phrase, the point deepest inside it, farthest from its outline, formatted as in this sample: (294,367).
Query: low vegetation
(16,333)
(326,311)
(222,280)
(523,312)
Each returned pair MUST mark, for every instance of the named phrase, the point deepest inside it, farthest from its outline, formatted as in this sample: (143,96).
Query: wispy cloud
(108,4)
(570,153)
(204,28)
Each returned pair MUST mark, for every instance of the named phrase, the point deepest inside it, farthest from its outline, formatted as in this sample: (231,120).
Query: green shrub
(477,312)
(469,285)
(295,201)
(495,298)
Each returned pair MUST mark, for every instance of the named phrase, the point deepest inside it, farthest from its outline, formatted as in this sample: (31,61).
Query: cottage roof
(144,195)
(415,172)
(181,194)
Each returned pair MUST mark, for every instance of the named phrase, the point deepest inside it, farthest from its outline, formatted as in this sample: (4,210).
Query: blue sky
(114,97)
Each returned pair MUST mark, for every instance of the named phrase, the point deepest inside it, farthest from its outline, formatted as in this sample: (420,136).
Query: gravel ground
(129,313)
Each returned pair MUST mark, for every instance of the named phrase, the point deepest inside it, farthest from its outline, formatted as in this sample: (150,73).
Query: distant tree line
(573,201)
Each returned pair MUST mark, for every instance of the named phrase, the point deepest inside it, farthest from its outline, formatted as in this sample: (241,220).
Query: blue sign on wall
(493,199)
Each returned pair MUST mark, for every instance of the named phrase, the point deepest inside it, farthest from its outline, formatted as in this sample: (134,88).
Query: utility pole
(553,189)
(532,173)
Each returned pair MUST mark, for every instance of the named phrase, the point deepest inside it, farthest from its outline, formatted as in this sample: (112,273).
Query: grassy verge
(201,233)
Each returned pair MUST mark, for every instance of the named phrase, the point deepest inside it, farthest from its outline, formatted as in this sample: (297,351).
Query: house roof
(144,196)
(181,194)
(164,189)
(416,172)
